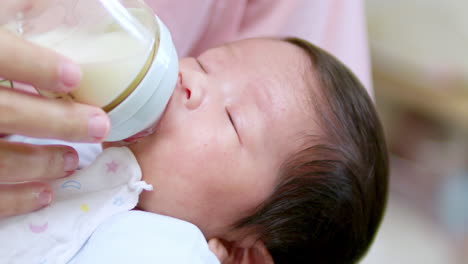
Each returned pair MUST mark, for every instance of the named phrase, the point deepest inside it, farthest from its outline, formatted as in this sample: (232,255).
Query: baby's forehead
(288,72)
(276,51)
(299,77)
(279,60)
(294,72)
(278,66)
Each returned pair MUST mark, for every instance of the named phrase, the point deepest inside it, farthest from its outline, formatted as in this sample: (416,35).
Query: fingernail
(98,127)
(70,74)
(70,160)
(44,197)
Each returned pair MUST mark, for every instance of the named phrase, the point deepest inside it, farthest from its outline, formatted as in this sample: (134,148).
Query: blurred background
(419,52)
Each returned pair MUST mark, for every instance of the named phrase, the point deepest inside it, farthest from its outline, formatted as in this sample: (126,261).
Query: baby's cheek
(214,172)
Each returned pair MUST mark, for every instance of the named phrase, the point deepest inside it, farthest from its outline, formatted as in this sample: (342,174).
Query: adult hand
(23,166)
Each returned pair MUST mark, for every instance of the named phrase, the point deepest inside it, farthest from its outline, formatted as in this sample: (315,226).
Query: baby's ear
(219,249)
(229,253)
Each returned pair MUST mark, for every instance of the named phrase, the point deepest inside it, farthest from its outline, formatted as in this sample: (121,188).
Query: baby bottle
(126,54)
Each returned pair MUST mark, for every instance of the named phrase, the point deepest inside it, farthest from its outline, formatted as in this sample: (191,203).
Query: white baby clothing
(110,185)
(145,238)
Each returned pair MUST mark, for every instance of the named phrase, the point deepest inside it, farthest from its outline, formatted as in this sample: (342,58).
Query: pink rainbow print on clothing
(36,229)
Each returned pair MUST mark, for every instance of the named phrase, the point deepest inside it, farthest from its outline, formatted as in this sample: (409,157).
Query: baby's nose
(192,87)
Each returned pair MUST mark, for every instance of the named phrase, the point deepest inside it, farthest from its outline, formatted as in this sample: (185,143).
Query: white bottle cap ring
(146,104)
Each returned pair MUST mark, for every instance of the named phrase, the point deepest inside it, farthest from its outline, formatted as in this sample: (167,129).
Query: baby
(272,141)
(269,146)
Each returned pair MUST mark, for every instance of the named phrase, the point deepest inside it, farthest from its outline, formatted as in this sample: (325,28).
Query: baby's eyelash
(233,124)
(201,65)
(230,117)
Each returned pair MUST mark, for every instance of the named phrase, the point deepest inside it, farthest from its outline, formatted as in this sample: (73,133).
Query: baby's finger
(35,116)
(21,162)
(18,199)
(44,69)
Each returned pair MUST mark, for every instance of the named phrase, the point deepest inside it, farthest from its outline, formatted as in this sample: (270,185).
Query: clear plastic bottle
(126,54)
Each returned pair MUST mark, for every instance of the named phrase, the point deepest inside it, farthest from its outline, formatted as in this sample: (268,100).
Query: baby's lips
(139,135)
(151,129)
(133,138)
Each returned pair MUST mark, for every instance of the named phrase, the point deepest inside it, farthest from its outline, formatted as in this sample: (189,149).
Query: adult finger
(36,116)
(21,162)
(17,199)
(44,69)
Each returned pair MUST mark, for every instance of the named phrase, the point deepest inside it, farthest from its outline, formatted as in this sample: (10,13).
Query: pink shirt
(335,25)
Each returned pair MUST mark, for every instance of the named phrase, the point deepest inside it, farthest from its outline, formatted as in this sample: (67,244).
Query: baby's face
(237,112)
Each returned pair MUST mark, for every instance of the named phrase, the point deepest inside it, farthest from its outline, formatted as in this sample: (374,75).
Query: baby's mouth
(135,138)
(130,140)
(140,135)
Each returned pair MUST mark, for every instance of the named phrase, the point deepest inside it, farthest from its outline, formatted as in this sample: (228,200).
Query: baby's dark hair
(332,193)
